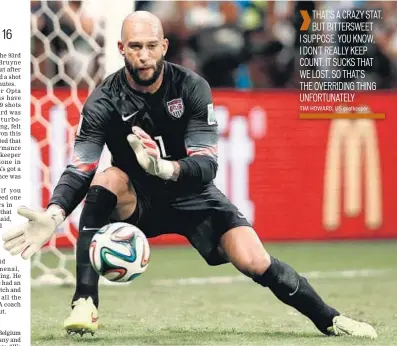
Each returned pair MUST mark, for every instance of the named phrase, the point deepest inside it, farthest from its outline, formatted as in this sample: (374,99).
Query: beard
(134,72)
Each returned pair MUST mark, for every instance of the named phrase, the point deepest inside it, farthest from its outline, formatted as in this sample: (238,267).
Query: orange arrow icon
(306,20)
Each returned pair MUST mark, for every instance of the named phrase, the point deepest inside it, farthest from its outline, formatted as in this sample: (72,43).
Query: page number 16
(7,34)
(160,141)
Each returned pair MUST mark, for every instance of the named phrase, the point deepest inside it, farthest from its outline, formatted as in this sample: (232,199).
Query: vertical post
(115,12)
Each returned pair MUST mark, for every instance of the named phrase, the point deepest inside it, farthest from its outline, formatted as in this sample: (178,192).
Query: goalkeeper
(158,122)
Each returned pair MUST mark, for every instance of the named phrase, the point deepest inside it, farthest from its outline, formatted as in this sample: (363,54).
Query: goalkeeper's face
(147,74)
(143,47)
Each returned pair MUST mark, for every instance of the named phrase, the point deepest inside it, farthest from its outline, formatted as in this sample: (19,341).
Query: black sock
(294,290)
(98,207)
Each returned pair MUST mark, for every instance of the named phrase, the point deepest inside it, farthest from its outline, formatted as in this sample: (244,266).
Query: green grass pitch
(160,309)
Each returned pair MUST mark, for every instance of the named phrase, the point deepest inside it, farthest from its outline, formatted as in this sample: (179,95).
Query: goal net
(70,55)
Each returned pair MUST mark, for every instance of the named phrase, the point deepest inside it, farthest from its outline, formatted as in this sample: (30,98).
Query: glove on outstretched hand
(28,238)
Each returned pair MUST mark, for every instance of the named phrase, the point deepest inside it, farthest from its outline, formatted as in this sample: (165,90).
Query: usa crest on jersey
(176,107)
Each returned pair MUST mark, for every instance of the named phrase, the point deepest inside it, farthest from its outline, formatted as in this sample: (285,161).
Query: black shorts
(200,217)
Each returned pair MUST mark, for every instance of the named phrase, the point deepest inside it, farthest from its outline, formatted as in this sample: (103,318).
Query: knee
(112,179)
(245,251)
(255,265)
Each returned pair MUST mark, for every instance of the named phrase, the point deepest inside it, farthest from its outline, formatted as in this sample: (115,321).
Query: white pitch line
(216,280)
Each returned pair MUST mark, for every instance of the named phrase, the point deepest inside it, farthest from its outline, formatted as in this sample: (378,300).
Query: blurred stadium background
(298,181)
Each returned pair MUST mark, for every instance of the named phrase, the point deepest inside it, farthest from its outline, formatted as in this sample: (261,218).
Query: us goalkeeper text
(11,288)
(15,181)
(10,298)
(10,132)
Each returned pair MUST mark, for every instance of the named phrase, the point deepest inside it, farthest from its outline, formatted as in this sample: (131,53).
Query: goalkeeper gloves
(28,238)
(148,154)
